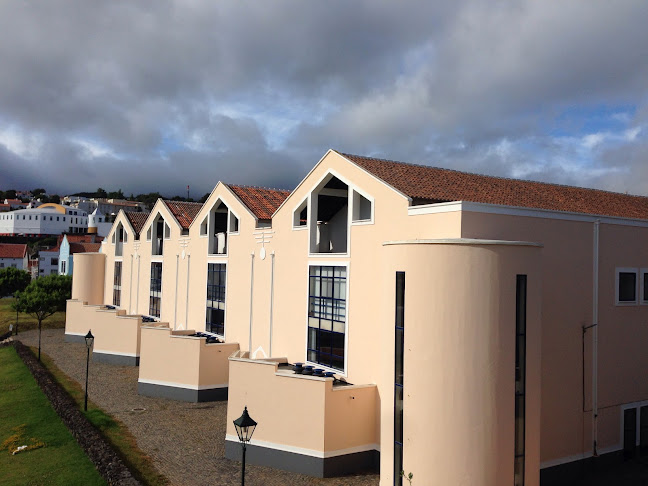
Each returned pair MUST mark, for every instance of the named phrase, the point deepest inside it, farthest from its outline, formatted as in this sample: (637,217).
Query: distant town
(39,232)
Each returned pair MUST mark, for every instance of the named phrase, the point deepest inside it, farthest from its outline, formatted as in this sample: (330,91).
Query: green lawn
(115,432)
(25,322)
(27,418)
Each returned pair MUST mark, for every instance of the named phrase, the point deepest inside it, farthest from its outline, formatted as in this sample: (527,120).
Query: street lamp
(89,339)
(244,429)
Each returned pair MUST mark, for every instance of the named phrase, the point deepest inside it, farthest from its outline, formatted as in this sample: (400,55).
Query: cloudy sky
(154,95)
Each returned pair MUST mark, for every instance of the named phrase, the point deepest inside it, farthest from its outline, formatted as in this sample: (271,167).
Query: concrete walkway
(185,440)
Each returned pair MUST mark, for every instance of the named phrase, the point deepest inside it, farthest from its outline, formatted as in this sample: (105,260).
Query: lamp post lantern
(244,429)
(89,339)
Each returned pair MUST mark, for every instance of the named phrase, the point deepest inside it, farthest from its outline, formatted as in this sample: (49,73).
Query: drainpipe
(139,261)
(175,304)
(595,290)
(130,288)
(272,269)
(187,299)
(251,301)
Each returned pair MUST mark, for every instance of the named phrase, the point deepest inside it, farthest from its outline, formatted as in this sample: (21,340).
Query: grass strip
(52,455)
(25,322)
(113,430)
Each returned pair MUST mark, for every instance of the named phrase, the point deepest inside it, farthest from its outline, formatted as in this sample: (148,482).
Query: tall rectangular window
(216,274)
(117,284)
(155,296)
(327,316)
(520,377)
(399,361)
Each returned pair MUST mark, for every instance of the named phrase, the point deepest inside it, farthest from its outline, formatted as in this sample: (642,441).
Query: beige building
(468,329)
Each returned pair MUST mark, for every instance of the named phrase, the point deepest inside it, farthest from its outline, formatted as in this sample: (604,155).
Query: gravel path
(185,440)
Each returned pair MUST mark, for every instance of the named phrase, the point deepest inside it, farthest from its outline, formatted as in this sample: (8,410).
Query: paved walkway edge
(98,450)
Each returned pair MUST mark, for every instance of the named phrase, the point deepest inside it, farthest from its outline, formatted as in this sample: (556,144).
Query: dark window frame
(216,292)
(323,344)
(155,295)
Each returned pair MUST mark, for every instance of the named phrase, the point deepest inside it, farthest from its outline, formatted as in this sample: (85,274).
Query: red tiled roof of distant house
(5,207)
(12,250)
(137,220)
(426,184)
(184,212)
(15,201)
(84,238)
(84,247)
(261,201)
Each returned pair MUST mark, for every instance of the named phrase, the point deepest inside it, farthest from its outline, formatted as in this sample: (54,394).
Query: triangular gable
(320,161)
(123,219)
(160,208)
(213,197)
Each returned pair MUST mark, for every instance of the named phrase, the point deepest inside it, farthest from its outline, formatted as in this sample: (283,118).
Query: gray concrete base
(73,338)
(182,394)
(115,359)
(368,461)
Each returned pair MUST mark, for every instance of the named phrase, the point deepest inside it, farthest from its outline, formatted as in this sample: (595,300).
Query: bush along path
(105,459)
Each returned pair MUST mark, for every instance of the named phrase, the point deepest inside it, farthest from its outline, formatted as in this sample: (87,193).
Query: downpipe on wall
(595,298)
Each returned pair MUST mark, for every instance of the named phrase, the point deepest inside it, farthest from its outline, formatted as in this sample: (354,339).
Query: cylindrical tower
(88,279)
(461,313)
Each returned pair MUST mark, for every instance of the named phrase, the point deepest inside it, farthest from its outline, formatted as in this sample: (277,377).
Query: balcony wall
(306,424)
(178,366)
(117,335)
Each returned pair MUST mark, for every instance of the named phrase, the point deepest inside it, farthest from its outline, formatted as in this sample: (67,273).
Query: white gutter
(251,300)
(186,326)
(137,287)
(175,304)
(130,287)
(272,269)
(595,290)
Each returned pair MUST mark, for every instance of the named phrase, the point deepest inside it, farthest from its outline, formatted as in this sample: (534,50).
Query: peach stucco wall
(567,307)
(295,411)
(174,358)
(114,331)
(88,280)
(460,362)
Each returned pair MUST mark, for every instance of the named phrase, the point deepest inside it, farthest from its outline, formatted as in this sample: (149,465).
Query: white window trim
(299,208)
(339,263)
(642,272)
(231,213)
(617,271)
(200,233)
(362,222)
(624,407)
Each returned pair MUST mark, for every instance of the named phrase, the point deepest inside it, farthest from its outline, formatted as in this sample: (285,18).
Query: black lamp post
(244,429)
(89,339)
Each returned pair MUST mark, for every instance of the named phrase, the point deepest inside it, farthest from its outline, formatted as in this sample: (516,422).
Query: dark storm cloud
(155,95)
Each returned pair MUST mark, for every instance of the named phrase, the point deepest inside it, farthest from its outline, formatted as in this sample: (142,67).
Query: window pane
(627,286)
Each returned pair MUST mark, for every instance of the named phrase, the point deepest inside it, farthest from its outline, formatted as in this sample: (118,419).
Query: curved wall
(88,279)
(459,364)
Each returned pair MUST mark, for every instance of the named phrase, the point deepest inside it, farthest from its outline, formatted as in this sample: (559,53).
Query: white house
(13,255)
(47,219)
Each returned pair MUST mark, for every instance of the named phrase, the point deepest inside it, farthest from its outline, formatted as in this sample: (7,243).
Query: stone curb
(98,450)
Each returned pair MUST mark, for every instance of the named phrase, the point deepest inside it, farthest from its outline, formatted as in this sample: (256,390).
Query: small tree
(43,297)
(13,280)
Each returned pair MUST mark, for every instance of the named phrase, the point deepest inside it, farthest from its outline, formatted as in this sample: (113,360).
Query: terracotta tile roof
(261,201)
(426,184)
(12,250)
(184,212)
(137,220)
(84,238)
(84,247)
